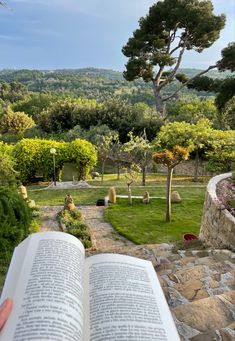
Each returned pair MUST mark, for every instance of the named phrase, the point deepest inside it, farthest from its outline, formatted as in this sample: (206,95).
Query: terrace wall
(218,225)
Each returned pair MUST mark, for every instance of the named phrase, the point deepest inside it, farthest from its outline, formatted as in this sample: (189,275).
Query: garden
(100,130)
(147,221)
(143,211)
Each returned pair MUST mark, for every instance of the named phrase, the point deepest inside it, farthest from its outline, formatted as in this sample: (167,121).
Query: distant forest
(95,83)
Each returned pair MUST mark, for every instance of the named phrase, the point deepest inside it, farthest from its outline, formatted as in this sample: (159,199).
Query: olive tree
(140,151)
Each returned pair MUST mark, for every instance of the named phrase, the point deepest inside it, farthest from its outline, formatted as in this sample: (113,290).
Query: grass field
(145,224)
(81,196)
(88,196)
(151,180)
(138,222)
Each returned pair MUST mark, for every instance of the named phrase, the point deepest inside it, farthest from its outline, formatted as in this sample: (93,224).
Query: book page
(47,293)
(125,301)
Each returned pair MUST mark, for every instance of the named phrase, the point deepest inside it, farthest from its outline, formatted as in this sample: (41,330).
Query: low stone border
(218,225)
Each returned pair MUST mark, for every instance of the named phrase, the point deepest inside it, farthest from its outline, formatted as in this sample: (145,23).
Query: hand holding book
(60,295)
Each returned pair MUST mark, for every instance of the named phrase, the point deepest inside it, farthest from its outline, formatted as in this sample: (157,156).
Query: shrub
(15,123)
(34,227)
(15,217)
(233,176)
(76,226)
(33,156)
(7,165)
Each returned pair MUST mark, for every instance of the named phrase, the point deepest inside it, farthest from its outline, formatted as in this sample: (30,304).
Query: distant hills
(93,83)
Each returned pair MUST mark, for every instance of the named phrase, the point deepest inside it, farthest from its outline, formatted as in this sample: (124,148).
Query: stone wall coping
(211,189)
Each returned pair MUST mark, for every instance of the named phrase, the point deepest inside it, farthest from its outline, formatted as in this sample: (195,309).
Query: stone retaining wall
(218,225)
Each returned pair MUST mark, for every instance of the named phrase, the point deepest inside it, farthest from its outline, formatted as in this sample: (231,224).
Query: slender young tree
(131,175)
(197,138)
(170,158)
(104,150)
(117,155)
(170,28)
(140,151)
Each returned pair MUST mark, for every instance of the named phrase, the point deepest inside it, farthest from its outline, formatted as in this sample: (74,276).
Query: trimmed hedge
(33,156)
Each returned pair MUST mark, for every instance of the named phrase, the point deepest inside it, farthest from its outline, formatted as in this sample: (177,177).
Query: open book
(58,295)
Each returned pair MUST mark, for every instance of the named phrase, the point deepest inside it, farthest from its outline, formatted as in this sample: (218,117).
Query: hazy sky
(53,34)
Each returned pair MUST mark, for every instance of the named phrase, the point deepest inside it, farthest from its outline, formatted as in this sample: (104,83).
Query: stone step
(210,318)
(186,276)
(199,286)
(197,276)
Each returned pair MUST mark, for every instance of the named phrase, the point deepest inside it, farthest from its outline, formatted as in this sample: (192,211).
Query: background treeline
(64,116)
(95,83)
(69,104)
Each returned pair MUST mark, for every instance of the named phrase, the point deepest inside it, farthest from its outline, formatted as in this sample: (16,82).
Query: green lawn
(69,171)
(145,224)
(152,179)
(139,223)
(81,196)
(88,196)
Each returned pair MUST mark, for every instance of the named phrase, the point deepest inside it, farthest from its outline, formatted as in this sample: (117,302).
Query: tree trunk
(196,167)
(168,195)
(143,175)
(102,172)
(129,194)
(160,105)
(118,171)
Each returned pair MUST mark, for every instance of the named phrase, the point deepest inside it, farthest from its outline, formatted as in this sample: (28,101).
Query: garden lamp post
(53,153)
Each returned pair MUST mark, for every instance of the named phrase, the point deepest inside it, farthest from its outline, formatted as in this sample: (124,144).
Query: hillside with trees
(94,83)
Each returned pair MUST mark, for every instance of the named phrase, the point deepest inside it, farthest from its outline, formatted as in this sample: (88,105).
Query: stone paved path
(105,238)
(48,214)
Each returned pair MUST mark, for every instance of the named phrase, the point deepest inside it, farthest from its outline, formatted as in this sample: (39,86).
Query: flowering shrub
(226,195)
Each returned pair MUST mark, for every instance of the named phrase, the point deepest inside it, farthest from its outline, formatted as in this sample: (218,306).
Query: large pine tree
(169,29)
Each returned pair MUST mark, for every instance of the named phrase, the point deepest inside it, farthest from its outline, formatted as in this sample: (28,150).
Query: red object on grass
(189,236)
